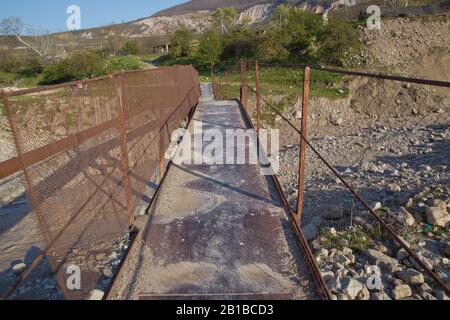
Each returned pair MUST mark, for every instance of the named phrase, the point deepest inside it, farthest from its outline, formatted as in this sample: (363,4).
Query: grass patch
(356,238)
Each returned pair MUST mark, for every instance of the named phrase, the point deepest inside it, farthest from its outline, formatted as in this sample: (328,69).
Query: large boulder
(411,277)
(437,216)
(351,287)
(401,292)
(381,259)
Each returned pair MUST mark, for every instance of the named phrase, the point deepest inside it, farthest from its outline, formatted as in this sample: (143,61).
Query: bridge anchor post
(304,136)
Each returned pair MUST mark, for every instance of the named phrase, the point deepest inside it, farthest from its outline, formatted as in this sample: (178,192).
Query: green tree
(337,42)
(240,42)
(131,47)
(301,29)
(210,49)
(81,65)
(224,17)
(182,43)
(273,46)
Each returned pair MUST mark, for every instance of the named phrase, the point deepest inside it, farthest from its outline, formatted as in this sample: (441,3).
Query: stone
(333,232)
(327,276)
(401,292)
(428,296)
(376,206)
(440,295)
(364,294)
(107,272)
(402,254)
(324,252)
(437,216)
(19,268)
(379,257)
(424,260)
(351,287)
(411,277)
(347,251)
(310,232)
(97,295)
(408,218)
(409,203)
(335,284)
(379,296)
(395,188)
(342,297)
(340,258)
(425,287)
(336,121)
(382,248)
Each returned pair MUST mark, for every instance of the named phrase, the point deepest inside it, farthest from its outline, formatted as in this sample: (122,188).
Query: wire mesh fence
(88,151)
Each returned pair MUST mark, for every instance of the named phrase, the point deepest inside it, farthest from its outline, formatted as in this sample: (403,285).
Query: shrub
(31,66)
(337,42)
(81,65)
(129,62)
(182,43)
(131,47)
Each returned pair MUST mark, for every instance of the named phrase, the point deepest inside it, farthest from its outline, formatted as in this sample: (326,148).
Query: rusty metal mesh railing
(353,232)
(88,151)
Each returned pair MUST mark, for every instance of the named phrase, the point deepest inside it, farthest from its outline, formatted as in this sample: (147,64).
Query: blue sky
(51,15)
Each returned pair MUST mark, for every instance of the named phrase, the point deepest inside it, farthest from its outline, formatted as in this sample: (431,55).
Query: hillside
(201,5)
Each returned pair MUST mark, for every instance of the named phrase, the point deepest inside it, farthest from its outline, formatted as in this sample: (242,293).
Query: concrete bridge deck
(217,231)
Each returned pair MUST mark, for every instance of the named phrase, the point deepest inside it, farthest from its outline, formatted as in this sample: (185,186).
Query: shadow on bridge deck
(217,232)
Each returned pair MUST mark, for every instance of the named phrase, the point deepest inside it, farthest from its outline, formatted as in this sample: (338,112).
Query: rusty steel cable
(436,83)
(311,261)
(391,232)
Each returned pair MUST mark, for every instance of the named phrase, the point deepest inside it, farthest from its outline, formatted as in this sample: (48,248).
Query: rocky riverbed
(403,171)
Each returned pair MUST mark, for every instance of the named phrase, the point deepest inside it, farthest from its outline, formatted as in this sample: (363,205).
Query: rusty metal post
(125,162)
(227,86)
(161,154)
(302,158)
(258,99)
(244,87)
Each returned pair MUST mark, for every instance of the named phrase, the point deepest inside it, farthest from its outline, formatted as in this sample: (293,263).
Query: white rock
(97,295)
(408,218)
(437,216)
(333,232)
(376,256)
(364,294)
(19,268)
(107,272)
(376,206)
(351,287)
(340,258)
(411,277)
(402,292)
(380,296)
